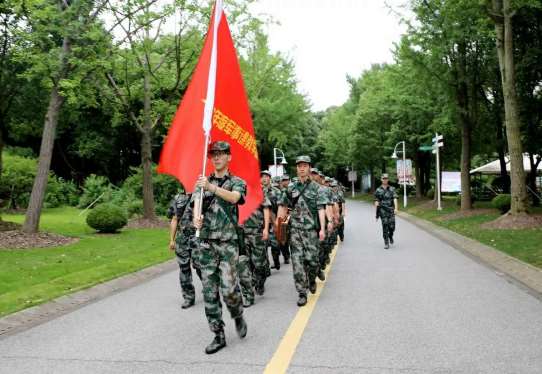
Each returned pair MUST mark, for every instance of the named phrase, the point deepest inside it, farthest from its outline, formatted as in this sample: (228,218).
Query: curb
(522,274)
(34,316)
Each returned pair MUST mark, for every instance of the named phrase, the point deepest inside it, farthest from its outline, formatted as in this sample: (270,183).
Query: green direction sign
(426,148)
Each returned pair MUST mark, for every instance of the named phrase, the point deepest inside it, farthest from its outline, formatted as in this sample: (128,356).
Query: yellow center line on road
(280,361)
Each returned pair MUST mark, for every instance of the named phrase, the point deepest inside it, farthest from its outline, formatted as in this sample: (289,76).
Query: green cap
(328,179)
(303,158)
(219,146)
(315,171)
(265,172)
(384,176)
(285,177)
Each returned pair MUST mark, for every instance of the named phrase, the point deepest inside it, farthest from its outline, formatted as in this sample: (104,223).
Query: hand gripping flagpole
(209,104)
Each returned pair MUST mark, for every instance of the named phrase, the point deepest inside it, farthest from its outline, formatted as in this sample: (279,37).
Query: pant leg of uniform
(209,260)
(183,254)
(298,260)
(245,278)
(385,227)
(391,227)
(228,263)
(285,250)
(258,256)
(311,252)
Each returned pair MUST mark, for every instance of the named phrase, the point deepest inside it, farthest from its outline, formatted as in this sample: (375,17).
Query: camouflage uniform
(273,194)
(341,201)
(256,247)
(185,244)
(304,225)
(385,197)
(219,252)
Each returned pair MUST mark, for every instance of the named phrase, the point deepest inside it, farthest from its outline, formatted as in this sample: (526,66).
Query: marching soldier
(219,244)
(256,230)
(325,247)
(284,182)
(307,227)
(182,240)
(273,194)
(386,206)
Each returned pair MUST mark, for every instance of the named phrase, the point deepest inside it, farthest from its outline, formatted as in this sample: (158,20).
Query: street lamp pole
(283,162)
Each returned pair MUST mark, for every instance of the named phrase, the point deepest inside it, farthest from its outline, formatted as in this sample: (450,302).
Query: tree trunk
(505,51)
(462,97)
(33,213)
(146,151)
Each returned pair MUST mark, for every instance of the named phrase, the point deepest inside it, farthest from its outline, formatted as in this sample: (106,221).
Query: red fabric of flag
(232,122)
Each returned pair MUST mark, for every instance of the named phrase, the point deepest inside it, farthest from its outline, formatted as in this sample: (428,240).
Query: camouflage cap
(285,177)
(321,174)
(334,184)
(315,171)
(219,146)
(265,172)
(328,179)
(303,158)
(384,176)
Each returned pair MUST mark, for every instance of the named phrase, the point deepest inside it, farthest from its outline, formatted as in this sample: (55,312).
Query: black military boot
(391,239)
(312,287)
(241,327)
(217,344)
(187,304)
(386,243)
(302,299)
(276,262)
(286,260)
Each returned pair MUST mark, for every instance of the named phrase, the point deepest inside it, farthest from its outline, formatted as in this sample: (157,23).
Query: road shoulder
(34,316)
(519,272)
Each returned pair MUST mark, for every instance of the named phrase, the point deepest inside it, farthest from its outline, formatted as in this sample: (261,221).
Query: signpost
(437,144)
(353,177)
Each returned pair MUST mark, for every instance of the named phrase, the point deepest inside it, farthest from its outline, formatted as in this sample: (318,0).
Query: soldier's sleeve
(266,203)
(239,185)
(321,200)
(376,197)
(394,194)
(171,210)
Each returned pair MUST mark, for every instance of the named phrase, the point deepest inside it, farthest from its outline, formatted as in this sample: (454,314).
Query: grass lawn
(33,276)
(525,245)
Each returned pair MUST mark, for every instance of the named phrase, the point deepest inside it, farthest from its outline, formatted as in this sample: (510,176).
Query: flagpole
(209,104)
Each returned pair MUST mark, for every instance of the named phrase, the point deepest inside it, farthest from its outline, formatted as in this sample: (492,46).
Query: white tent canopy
(494,167)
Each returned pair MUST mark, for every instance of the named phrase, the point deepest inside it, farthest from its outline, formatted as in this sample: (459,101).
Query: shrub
(17,179)
(431,193)
(502,202)
(60,192)
(134,208)
(93,188)
(164,188)
(107,218)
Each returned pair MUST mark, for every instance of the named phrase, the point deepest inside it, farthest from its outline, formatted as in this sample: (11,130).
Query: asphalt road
(420,307)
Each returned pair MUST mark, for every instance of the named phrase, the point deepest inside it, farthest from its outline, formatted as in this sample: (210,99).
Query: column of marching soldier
(232,260)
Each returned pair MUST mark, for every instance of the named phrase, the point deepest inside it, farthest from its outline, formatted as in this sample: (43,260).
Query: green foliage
(502,202)
(134,208)
(17,180)
(165,187)
(94,187)
(61,192)
(431,194)
(107,218)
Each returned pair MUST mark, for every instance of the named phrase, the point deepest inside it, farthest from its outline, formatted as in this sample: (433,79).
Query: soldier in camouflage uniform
(256,229)
(183,242)
(273,194)
(325,247)
(219,244)
(307,226)
(386,207)
(342,211)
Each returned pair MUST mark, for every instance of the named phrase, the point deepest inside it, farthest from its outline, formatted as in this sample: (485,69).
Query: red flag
(231,121)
